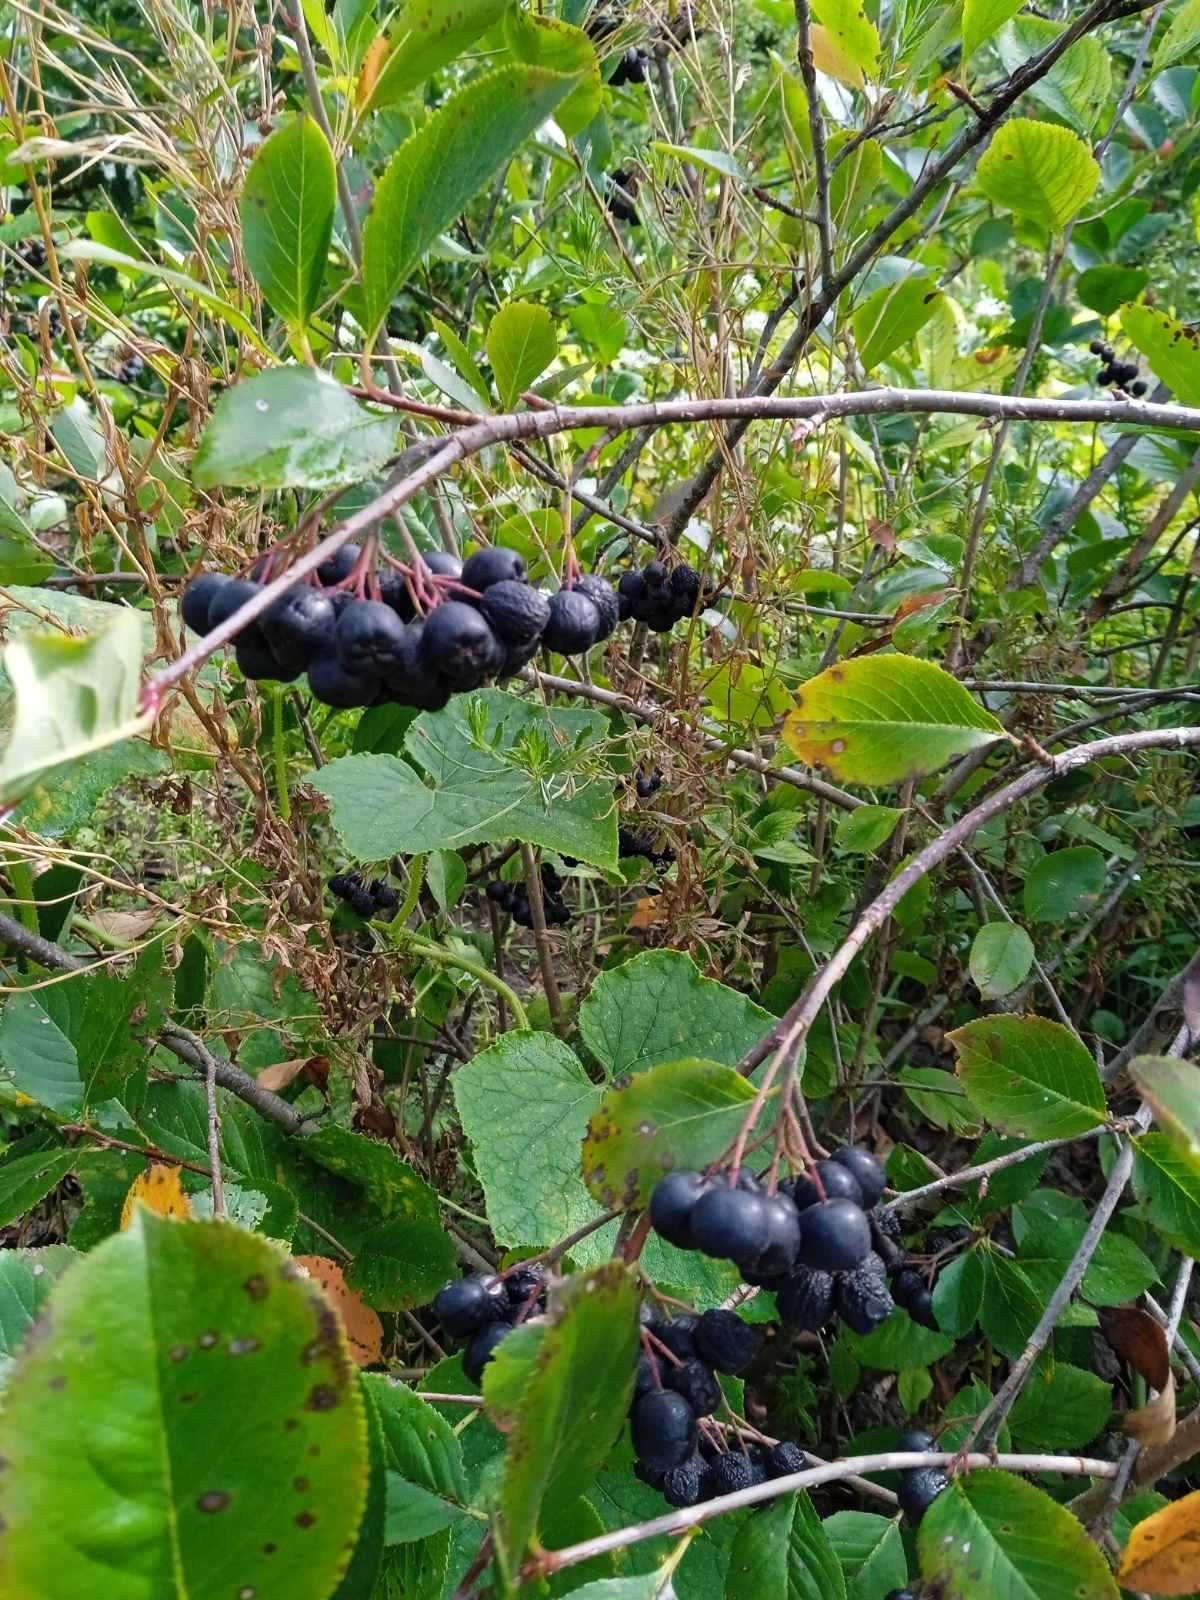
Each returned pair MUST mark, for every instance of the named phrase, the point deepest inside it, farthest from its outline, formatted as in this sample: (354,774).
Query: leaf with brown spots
(200,1388)
(882,719)
(159,1189)
(1163,1553)
(363,1329)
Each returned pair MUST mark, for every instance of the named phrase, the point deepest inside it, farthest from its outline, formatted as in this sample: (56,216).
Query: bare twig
(986,1169)
(541,936)
(214,1137)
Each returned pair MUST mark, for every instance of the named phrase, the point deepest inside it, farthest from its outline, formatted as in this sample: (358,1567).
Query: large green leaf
(56,808)
(73,698)
(581,1379)
(1171,1088)
(1038,170)
(1171,348)
(897,1344)
(659,1007)
(1064,884)
(558,46)
(390,1184)
(402,1263)
(524,1105)
(425,36)
(422,1459)
(783,1551)
(287,217)
(852,31)
(1118,1271)
(291,428)
(1077,87)
(1104,289)
(680,1114)
(26,1280)
(1001,956)
(883,719)
(1029,1076)
(1181,38)
(442,165)
(871,1552)
(982,18)
(495,768)
(992,1534)
(1011,1307)
(520,344)
(165,1339)
(1061,1407)
(892,316)
(26,1178)
(1168,1184)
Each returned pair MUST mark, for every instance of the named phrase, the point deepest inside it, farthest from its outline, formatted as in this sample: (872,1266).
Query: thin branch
(541,936)
(986,1169)
(214,1137)
(816,128)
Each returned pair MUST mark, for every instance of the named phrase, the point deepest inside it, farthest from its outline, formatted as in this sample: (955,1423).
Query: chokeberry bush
(598,852)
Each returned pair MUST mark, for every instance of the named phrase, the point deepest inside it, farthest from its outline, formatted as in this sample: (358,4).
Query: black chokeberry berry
(1139,388)
(256,659)
(663,1429)
(679,1335)
(631,68)
(493,564)
(697,1383)
(604,597)
(671,1207)
(1097,347)
(369,639)
(299,626)
(630,589)
(574,624)
(726,1342)
(332,685)
(516,612)
(339,566)
(865,1169)
(834,1236)
(915,1441)
(779,1254)
(918,1490)
(907,1283)
(482,1348)
(523,1285)
(409,682)
(805,1300)
(130,369)
(465,1306)
(459,646)
(688,1483)
(838,1182)
(920,1309)
(734,1471)
(197,600)
(785,1458)
(230,598)
(730,1224)
(862,1295)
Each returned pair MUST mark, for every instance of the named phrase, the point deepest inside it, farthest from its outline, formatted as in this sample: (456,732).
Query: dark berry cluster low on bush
(131,368)
(514,898)
(660,596)
(636,846)
(481,1311)
(810,1241)
(678,1450)
(1118,374)
(919,1486)
(648,783)
(368,899)
(620,195)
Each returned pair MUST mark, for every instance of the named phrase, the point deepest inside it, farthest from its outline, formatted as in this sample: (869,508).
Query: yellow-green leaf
(425,36)
(851,34)
(1029,1076)
(981,19)
(1180,39)
(1172,350)
(559,47)
(1040,171)
(520,345)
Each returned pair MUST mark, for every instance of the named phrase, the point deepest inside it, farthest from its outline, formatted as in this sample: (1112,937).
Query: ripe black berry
(1139,388)
(834,1236)
(198,598)
(299,626)
(465,1306)
(631,68)
(688,1483)
(907,1283)
(1097,347)
(663,1428)
(458,645)
(778,1256)
(256,659)
(369,639)
(679,1335)
(734,1471)
(574,624)
(838,1182)
(697,1383)
(865,1169)
(492,565)
(231,597)
(648,783)
(339,566)
(806,1300)
(409,682)
(730,1224)
(630,589)
(523,1285)
(915,1441)
(784,1459)
(516,612)
(671,1207)
(130,369)
(919,1489)
(483,1347)
(863,1300)
(332,685)
(604,597)
(648,1377)
(920,1309)
(726,1342)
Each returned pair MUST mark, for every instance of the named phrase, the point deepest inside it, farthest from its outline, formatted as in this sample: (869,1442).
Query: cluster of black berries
(919,1486)
(514,898)
(359,652)
(1120,374)
(620,194)
(632,845)
(33,254)
(660,596)
(131,368)
(484,1310)
(810,1241)
(676,1388)
(368,899)
(648,783)
(910,1291)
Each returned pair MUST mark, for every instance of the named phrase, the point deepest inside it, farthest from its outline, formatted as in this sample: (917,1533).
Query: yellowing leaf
(831,59)
(1163,1553)
(1154,1423)
(881,719)
(1039,170)
(846,36)
(160,1191)
(364,1331)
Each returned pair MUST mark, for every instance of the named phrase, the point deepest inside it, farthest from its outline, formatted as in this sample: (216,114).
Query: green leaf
(897,1344)
(426,1485)
(1168,1184)
(892,316)
(855,35)
(658,1006)
(1029,1076)
(165,1338)
(495,768)
(390,1184)
(291,428)
(1172,349)
(866,828)
(73,698)
(992,1534)
(783,1551)
(426,35)
(558,46)
(883,719)
(287,210)
(680,1114)
(1078,85)
(871,1553)
(441,166)
(720,161)
(958,1294)
(362,1574)
(464,362)
(521,344)
(1001,956)
(1039,171)
(1064,884)
(1011,1307)
(26,1280)
(1060,1408)
(1171,1088)
(78,435)
(982,18)
(66,802)
(855,178)
(524,1104)
(1103,289)
(26,1179)
(582,1378)
(402,1263)
(1180,39)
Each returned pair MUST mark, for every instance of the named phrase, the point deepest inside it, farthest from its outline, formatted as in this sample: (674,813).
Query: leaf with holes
(1171,1088)
(287,217)
(162,1340)
(680,1114)
(520,345)
(1172,349)
(995,1535)
(784,1550)
(883,719)
(1029,1076)
(1001,956)
(1038,170)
